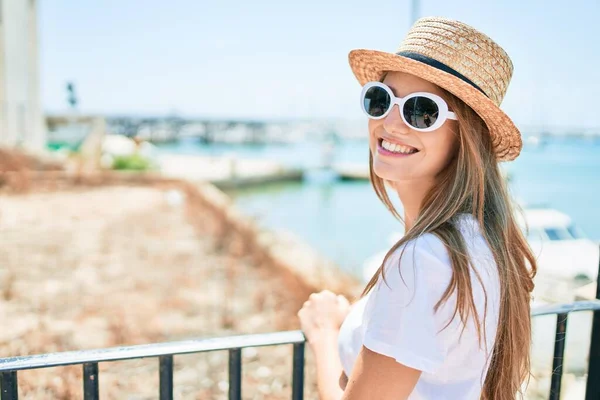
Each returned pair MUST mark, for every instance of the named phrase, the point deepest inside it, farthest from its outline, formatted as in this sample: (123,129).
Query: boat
(567,259)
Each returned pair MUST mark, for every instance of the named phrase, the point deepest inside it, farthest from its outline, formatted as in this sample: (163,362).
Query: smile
(392,149)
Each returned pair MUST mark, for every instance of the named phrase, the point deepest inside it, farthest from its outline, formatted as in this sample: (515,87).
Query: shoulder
(420,262)
(476,244)
(425,250)
(468,226)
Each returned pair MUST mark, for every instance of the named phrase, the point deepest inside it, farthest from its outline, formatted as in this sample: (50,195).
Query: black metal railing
(165,352)
(562,312)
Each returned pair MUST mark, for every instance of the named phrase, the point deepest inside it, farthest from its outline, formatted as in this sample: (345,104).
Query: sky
(281,59)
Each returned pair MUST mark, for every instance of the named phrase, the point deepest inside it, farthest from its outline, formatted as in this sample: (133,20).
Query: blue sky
(288,59)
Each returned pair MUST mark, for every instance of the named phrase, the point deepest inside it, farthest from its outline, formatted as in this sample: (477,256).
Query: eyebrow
(395,91)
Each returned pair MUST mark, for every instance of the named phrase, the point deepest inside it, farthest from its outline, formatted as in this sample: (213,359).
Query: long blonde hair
(472,183)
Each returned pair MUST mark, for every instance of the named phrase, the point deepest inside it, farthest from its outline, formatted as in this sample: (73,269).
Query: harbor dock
(352,171)
(226,172)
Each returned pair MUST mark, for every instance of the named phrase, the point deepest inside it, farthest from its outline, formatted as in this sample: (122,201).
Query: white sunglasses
(422,111)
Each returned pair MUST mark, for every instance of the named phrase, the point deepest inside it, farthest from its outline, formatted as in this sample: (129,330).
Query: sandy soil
(100,267)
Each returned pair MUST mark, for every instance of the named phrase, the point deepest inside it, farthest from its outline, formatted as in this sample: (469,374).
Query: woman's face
(434,149)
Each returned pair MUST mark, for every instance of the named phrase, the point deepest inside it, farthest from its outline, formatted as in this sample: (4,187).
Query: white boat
(566,258)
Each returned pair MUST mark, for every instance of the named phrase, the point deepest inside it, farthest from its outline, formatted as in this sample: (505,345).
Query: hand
(323,314)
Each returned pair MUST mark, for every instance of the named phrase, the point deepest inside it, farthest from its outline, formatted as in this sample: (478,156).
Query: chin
(397,173)
(386,171)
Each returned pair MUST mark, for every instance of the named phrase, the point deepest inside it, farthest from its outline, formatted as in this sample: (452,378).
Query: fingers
(322,293)
(325,295)
(342,300)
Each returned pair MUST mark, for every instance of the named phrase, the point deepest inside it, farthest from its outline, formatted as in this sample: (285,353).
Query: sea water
(346,222)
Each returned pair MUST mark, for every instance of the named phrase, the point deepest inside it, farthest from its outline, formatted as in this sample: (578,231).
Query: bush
(133,162)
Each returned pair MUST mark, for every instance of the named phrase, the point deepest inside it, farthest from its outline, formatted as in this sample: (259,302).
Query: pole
(415,11)
(592,391)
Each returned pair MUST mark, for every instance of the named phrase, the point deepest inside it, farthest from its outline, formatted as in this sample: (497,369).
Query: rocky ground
(99,267)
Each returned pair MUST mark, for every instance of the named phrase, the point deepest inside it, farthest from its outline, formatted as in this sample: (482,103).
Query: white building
(21,120)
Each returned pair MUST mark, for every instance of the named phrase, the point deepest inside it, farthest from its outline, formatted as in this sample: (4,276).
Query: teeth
(396,148)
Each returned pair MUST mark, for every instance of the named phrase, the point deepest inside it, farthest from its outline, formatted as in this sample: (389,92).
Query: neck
(411,195)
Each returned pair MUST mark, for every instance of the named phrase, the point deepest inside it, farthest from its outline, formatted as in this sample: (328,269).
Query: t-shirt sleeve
(399,319)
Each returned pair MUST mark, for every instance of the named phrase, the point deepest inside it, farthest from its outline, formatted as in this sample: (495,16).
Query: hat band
(436,64)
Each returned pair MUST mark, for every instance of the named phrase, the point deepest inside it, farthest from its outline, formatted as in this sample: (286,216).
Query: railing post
(90,381)
(166,377)
(592,391)
(559,352)
(8,386)
(298,372)
(235,374)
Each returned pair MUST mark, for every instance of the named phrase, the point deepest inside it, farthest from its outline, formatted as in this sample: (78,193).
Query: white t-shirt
(397,319)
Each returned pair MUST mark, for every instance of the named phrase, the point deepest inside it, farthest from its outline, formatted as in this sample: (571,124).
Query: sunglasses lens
(376,101)
(420,112)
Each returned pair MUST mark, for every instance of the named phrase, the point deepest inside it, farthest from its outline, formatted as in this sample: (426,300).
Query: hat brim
(370,65)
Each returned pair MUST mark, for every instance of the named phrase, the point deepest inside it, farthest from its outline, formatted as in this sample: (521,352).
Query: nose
(393,122)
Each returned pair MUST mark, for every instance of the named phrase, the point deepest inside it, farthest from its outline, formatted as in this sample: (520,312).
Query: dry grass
(17,166)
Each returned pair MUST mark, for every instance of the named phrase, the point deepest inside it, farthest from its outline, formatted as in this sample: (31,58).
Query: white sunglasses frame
(443,113)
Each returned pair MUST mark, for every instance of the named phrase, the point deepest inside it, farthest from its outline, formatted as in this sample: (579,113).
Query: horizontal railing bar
(586,305)
(150,350)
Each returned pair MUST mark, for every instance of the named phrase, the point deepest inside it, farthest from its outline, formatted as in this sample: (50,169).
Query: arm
(375,376)
(329,367)
(343,381)
(321,318)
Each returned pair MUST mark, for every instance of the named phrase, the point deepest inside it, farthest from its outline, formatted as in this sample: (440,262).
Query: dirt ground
(99,267)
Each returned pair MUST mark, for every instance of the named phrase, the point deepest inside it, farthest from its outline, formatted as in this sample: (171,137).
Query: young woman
(447,315)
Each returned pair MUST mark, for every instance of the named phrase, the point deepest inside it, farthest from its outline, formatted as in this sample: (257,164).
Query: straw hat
(458,58)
